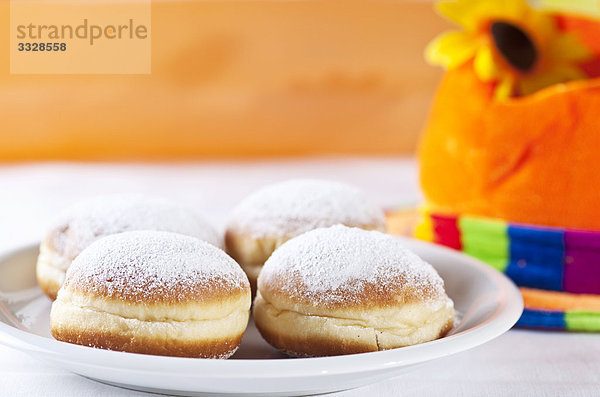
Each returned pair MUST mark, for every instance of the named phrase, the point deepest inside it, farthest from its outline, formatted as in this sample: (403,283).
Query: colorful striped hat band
(558,269)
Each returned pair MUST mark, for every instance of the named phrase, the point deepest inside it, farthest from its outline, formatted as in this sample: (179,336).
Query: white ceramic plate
(487,302)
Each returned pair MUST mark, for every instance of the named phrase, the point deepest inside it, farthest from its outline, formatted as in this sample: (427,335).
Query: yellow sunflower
(512,45)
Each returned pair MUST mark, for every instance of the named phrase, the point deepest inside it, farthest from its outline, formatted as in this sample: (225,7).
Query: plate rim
(504,318)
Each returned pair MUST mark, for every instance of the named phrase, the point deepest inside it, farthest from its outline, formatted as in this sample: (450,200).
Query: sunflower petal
(451,49)
(513,8)
(555,75)
(505,89)
(534,83)
(486,67)
(470,14)
(459,12)
(568,47)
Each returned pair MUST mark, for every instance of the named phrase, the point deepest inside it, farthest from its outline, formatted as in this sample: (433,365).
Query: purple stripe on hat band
(582,262)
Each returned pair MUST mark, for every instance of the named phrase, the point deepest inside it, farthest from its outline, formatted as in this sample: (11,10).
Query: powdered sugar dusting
(342,265)
(151,266)
(82,224)
(296,206)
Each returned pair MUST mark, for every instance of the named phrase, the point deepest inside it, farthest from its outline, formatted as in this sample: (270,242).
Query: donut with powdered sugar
(342,290)
(82,224)
(153,292)
(274,214)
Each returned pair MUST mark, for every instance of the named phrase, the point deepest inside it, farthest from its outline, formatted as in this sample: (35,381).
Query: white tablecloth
(518,363)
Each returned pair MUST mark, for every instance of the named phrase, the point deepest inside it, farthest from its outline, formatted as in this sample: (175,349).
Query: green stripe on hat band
(582,321)
(486,240)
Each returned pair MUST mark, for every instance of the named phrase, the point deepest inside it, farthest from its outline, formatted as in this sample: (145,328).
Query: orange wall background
(238,79)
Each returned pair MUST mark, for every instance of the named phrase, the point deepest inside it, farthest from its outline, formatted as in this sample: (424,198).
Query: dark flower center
(515,46)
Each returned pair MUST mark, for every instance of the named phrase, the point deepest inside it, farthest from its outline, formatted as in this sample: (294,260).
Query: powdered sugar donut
(154,293)
(276,213)
(84,223)
(343,290)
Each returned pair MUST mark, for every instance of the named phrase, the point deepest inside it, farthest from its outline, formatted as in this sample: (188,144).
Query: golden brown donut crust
(392,291)
(218,348)
(49,287)
(194,329)
(50,270)
(215,290)
(315,346)
(311,332)
(318,346)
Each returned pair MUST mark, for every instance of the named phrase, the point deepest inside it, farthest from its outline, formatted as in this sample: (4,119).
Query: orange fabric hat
(530,160)
(509,158)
